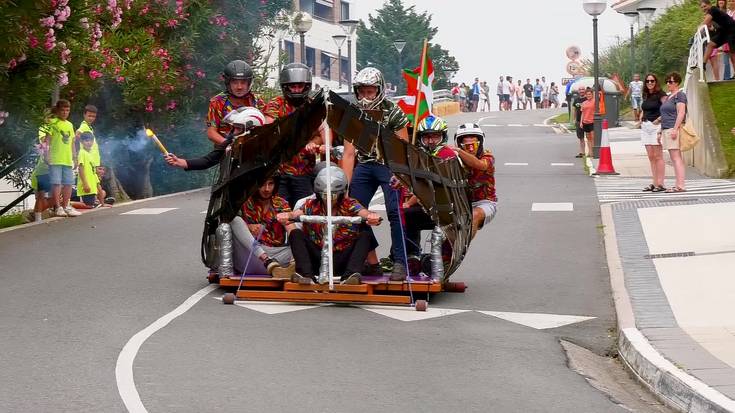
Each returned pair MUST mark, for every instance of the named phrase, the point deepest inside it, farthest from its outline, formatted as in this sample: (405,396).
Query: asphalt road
(76,290)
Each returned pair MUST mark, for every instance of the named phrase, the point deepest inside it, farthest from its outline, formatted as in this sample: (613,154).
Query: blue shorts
(635,101)
(43,183)
(60,175)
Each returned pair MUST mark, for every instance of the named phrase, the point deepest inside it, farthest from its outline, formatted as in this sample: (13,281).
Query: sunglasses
(670,82)
(650,80)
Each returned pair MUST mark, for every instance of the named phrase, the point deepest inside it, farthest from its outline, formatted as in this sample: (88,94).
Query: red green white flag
(425,94)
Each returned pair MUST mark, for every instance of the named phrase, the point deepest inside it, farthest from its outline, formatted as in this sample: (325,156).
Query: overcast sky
(523,39)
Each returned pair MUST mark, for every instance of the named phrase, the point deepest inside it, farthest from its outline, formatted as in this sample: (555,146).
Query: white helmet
(369,76)
(470,129)
(245,117)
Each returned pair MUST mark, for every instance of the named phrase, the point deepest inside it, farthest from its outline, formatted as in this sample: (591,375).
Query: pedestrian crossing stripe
(148,211)
(619,189)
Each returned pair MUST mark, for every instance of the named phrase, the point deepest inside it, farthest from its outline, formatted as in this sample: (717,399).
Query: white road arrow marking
(148,211)
(272,308)
(410,313)
(537,320)
(552,207)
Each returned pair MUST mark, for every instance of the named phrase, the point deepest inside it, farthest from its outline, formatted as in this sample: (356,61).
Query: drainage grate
(677,201)
(669,255)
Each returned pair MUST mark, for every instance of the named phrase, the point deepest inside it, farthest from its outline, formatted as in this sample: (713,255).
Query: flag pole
(419,85)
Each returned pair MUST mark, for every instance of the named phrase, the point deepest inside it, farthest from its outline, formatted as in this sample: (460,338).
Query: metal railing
(7,171)
(440,95)
(696,54)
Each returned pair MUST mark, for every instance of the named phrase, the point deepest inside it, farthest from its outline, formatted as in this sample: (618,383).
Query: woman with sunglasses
(673,110)
(650,123)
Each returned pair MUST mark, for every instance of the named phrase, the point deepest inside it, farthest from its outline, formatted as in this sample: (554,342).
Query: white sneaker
(72,212)
(59,212)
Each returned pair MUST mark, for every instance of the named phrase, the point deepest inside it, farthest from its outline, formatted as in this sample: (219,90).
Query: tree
(151,63)
(670,36)
(396,22)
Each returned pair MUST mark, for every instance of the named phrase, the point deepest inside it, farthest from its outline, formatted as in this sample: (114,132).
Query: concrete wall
(707,156)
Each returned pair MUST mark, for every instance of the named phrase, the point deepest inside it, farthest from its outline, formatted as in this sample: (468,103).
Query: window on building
(345,10)
(289,50)
(307,6)
(324,9)
(326,64)
(311,59)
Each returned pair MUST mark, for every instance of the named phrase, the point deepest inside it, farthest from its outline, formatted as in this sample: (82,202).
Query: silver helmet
(338,185)
(369,76)
(295,73)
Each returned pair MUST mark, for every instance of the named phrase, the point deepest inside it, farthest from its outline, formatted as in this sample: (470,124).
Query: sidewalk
(672,269)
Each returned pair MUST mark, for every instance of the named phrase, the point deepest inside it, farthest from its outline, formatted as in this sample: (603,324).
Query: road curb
(91,211)
(672,385)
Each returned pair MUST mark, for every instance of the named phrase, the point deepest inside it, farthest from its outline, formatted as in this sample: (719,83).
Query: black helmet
(237,70)
(295,73)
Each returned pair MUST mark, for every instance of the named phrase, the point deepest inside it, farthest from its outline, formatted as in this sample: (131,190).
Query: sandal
(649,188)
(675,189)
(579,155)
(658,189)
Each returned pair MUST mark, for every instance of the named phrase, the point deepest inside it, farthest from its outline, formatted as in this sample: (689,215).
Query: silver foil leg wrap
(437,263)
(224,239)
(324,268)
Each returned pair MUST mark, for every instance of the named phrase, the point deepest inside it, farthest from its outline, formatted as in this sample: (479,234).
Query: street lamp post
(632,17)
(399,45)
(595,8)
(349,26)
(301,24)
(647,14)
(339,40)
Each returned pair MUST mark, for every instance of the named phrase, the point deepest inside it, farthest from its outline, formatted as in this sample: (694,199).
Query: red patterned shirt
(482,183)
(303,162)
(343,235)
(274,234)
(221,104)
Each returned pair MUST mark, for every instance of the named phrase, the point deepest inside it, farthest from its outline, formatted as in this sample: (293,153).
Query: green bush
(722,95)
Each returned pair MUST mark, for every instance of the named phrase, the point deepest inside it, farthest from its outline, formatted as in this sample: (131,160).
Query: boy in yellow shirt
(87,181)
(60,140)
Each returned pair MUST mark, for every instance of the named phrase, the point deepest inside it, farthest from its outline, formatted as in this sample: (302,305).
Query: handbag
(688,138)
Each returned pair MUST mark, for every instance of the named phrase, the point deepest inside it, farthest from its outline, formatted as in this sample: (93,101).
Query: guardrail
(440,95)
(7,171)
(696,54)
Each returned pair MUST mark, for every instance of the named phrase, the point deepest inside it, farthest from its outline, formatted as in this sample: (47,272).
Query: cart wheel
(212,277)
(455,287)
(228,298)
(421,305)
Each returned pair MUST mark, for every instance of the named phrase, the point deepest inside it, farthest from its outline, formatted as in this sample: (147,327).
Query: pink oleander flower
(32,41)
(120,79)
(22,58)
(200,74)
(93,74)
(63,79)
(222,36)
(48,21)
(171,105)
(65,56)
(173,23)
(12,64)
(149,107)
(117,70)
(127,50)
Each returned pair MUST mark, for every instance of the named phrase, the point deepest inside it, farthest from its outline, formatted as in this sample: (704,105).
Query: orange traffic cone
(605,166)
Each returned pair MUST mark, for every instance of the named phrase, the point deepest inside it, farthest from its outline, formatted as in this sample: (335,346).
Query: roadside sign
(573,52)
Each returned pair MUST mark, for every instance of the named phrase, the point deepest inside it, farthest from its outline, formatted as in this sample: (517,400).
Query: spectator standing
(635,91)
(725,31)
(528,95)
(455,92)
(545,93)
(475,95)
(588,116)
(90,116)
(538,91)
(485,95)
(60,140)
(650,124)
(87,182)
(554,95)
(40,178)
(499,91)
(507,92)
(673,111)
(519,96)
(577,102)
(463,97)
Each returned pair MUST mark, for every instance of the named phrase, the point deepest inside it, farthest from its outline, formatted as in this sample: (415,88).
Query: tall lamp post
(339,40)
(647,14)
(349,26)
(301,24)
(595,8)
(632,17)
(399,45)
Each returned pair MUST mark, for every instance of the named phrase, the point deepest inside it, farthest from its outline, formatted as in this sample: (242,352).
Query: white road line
(124,367)
(148,211)
(552,207)
(203,212)
(490,126)
(516,164)
(515,125)
(479,121)
(541,125)
(562,164)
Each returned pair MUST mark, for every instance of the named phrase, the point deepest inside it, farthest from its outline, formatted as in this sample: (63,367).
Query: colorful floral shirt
(303,162)
(221,104)
(344,235)
(482,183)
(274,234)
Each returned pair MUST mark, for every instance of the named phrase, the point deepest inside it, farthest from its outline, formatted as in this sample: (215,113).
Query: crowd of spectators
(509,95)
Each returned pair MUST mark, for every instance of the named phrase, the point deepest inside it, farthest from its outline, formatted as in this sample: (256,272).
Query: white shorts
(649,133)
(489,208)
